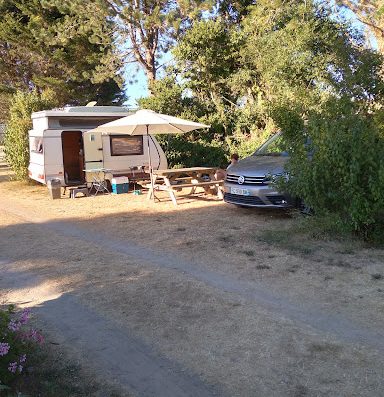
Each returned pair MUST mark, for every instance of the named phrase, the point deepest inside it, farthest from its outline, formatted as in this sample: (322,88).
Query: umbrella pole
(150,164)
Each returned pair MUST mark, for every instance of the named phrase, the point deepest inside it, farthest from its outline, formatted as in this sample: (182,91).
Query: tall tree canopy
(370,13)
(237,76)
(295,49)
(233,11)
(292,51)
(147,28)
(58,45)
(289,65)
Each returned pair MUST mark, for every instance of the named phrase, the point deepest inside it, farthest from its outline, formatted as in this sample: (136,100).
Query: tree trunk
(150,69)
(379,35)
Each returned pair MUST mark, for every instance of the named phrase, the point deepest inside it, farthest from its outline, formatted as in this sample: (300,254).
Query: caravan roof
(81,111)
(76,117)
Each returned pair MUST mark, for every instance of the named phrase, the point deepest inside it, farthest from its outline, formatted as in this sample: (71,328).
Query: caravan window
(36,144)
(126,145)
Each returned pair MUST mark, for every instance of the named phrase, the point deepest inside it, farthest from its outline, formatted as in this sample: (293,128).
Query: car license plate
(237,190)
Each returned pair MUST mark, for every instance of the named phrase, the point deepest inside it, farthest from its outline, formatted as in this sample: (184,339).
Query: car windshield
(274,146)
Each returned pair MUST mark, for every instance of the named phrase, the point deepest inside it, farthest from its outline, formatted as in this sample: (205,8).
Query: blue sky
(136,81)
(138,87)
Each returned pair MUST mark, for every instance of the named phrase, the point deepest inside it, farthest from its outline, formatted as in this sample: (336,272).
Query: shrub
(17,341)
(246,144)
(337,166)
(183,153)
(19,123)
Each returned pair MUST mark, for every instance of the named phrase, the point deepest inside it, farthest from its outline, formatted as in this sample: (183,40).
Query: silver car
(250,182)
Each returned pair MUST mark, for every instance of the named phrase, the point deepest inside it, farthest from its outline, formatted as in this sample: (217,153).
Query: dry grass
(225,339)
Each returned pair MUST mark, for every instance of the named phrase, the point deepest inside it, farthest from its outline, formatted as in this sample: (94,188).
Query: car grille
(239,199)
(248,180)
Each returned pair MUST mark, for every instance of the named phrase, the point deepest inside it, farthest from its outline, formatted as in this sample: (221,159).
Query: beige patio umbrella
(148,122)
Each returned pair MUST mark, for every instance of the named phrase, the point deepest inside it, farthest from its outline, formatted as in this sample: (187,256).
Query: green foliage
(233,11)
(147,28)
(16,145)
(246,144)
(205,61)
(5,103)
(167,97)
(337,166)
(64,46)
(192,149)
(290,66)
(283,54)
(321,87)
(200,98)
(182,152)
(293,52)
(206,58)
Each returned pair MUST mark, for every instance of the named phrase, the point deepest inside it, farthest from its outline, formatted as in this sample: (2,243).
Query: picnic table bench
(177,179)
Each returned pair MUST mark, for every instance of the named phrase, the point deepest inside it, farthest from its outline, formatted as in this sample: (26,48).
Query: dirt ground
(231,295)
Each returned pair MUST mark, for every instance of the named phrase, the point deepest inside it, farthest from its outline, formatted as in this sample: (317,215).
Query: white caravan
(62,146)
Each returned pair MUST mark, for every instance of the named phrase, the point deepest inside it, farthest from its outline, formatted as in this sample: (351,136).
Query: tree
(233,11)
(206,59)
(195,148)
(370,13)
(282,51)
(290,66)
(55,45)
(322,87)
(147,28)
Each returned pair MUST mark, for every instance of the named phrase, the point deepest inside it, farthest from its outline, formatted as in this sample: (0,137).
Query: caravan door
(73,158)
(93,150)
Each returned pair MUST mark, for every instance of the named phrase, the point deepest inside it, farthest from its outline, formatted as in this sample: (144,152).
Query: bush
(16,145)
(337,166)
(17,341)
(183,153)
(246,144)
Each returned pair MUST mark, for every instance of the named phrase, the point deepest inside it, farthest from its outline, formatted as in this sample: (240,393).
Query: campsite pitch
(213,296)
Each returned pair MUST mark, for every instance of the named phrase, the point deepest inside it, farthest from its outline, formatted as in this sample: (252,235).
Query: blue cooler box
(120,185)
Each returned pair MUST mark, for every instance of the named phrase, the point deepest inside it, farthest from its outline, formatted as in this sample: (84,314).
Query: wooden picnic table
(179,178)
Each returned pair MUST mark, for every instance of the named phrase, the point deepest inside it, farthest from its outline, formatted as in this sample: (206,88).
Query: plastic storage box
(120,185)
